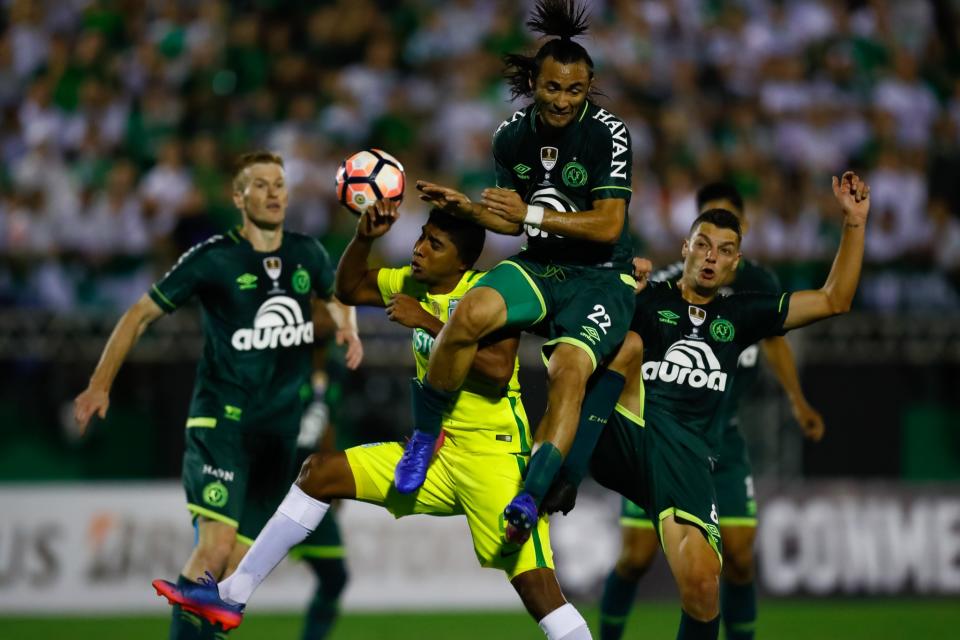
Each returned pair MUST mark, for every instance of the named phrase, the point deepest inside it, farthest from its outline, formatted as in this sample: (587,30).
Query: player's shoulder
(302,242)
(753,276)
(656,292)
(512,125)
(214,245)
(668,273)
(599,121)
(468,280)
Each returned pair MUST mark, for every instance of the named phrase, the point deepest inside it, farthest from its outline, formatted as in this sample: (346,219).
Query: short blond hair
(250,159)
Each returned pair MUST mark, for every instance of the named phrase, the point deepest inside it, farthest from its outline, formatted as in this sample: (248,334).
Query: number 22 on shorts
(600,318)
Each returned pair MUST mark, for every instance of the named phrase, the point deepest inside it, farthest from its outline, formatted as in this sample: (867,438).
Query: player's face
(710,256)
(263,195)
(560,91)
(726,205)
(435,257)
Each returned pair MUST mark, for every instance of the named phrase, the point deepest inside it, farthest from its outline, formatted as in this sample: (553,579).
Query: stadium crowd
(119,120)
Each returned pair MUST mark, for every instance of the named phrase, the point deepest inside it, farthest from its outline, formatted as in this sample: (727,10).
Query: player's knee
(630,354)
(314,478)
(738,564)
(569,368)
(468,324)
(700,593)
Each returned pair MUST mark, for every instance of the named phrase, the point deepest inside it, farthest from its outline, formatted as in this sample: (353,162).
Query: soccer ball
(368,176)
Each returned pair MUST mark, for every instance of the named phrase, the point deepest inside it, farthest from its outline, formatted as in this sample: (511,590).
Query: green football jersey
(691,353)
(589,159)
(750,277)
(257,322)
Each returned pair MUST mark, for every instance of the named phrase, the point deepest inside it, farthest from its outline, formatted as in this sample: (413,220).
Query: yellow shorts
(459,482)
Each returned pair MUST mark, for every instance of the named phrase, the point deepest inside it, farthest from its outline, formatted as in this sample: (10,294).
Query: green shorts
(733,481)
(238,475)
(657,472)
(587,307)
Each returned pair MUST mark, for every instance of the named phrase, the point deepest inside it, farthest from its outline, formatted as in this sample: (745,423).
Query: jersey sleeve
(182,281)
(323,275)
(394,281)
(611,163)
(643,322)
(501,162)
(761,315)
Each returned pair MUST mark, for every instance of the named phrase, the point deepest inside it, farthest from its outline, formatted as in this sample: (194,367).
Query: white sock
(565,623)
(296,517)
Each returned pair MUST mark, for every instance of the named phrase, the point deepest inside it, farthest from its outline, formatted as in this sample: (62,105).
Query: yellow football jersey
(498,413)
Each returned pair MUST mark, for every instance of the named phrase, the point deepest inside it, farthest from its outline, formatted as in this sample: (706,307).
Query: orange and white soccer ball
(368,176)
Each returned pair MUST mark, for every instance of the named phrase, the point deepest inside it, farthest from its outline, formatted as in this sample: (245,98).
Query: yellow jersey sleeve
(394,281)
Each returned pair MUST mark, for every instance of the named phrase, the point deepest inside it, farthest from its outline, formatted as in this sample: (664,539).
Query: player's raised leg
(481,312)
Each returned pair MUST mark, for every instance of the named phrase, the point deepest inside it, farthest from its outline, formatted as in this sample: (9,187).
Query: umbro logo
(522,171)
(247,281)
(667,316)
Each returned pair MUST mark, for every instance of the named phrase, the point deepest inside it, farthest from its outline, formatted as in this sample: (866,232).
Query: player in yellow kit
(479,463)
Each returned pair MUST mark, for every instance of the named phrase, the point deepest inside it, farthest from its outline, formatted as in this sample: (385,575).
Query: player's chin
(269,220)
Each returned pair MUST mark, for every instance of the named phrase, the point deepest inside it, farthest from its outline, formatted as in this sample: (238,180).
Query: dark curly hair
(564,19)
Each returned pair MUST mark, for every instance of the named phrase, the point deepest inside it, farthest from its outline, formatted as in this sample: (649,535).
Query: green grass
(780,620)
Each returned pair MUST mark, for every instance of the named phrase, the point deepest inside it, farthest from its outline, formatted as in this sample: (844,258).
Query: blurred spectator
(117,128)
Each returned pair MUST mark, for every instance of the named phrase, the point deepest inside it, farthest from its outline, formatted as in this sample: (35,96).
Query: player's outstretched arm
(459,205)
(836,295)
(355,282)
(602,223)
(347,332)
(95,399)
(780,356)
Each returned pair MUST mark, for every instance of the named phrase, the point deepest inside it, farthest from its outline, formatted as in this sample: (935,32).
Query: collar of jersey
(533,116)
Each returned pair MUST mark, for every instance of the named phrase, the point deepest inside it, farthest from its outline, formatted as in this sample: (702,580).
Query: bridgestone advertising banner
(95,548)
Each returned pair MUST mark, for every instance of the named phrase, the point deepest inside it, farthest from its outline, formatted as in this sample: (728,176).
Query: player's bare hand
(642,268)
(90,402)
(853,194)
(377,219)
(450,200)
(406,310)
(809,419)
(505,203)
(354,355)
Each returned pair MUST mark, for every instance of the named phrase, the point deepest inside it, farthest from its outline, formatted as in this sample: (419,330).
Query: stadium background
(118,121)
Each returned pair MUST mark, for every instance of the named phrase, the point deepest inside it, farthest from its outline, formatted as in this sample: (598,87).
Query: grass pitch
(878,619)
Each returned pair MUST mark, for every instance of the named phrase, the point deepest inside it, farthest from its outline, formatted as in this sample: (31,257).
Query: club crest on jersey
(697,315)
(548,157)
(273,265)
(574,174)
(451,306)
(722,330)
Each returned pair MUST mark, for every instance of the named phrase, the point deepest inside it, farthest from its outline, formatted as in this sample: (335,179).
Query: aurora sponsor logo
(688,362)
(278,323)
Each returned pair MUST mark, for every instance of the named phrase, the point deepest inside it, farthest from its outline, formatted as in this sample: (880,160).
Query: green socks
(325,605)
(429,405)
(599,402)
(615,605)
(543,468)
(691,629)
(738,608)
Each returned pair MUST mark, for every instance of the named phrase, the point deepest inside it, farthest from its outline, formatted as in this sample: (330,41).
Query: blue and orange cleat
(203,599)
(520,517)
(411,471)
